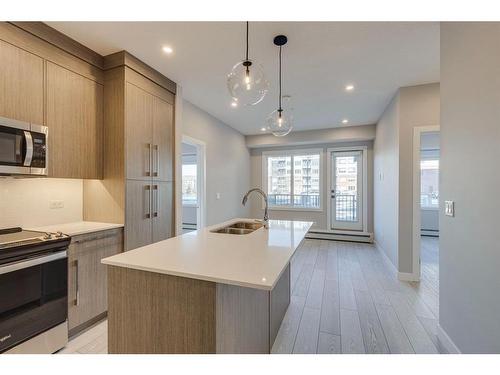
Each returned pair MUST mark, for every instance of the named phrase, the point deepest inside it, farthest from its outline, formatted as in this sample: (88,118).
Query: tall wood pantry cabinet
(139,153)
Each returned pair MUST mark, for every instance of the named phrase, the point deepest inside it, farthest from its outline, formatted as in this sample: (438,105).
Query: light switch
(449,208)
(217,195)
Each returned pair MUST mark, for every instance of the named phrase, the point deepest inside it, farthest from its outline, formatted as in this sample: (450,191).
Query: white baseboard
(385,257)
(403,276)
(446,341)
(407,276)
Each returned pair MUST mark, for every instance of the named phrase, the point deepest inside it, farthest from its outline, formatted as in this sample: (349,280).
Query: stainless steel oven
(23,148)
(33,291)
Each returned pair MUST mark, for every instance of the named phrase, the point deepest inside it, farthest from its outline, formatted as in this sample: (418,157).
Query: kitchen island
(203,292)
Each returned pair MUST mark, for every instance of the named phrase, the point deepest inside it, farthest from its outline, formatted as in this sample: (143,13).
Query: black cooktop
(17,243)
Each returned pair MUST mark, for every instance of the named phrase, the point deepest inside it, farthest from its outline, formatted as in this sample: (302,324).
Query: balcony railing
(307,201)
(346,207)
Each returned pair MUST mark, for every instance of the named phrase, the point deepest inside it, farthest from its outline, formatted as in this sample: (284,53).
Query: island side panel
(280,299)
(156,313)
(242,320)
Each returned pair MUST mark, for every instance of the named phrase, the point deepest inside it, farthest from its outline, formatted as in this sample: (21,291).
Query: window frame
(291,153)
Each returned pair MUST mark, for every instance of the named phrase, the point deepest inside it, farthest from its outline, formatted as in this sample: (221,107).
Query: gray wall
(227,163)
(469,299)
(318,217)
(411,107)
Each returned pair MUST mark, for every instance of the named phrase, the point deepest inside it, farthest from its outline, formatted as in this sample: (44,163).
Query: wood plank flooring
(345,299)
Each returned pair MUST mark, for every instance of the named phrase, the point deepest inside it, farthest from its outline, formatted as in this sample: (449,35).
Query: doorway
(193,184)
(347,171)
(426,172)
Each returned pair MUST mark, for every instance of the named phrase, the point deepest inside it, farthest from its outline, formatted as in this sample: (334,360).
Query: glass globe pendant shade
(247,83)
(280,125)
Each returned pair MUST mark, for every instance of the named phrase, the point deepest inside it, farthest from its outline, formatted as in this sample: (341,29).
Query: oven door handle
(29,149)
(32,262)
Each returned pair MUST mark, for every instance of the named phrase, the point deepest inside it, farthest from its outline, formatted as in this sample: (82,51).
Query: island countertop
(254,260)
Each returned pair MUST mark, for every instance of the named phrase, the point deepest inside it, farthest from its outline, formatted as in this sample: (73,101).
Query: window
(189,185)
(293,179)
(429,183)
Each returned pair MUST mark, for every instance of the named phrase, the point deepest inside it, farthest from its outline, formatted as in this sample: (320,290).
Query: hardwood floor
(345,299)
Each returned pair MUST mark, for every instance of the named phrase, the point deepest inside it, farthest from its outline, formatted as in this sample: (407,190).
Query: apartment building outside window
(292,179)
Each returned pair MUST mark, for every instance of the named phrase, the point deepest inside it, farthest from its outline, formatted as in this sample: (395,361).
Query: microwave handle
(29,149)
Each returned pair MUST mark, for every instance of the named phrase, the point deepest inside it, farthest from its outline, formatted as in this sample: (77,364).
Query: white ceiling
(318,61)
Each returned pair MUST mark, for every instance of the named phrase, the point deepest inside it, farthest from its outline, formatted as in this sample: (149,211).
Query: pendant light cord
(280,109)
(246,59)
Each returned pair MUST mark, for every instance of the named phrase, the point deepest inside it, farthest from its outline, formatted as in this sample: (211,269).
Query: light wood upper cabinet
(74,116)
(163,130)
(21,84)
(138,132)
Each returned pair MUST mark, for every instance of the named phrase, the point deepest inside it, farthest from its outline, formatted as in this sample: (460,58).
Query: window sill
(429,208)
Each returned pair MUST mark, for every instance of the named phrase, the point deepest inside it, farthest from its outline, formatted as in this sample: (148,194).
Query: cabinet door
(87,276)
(21,84)
(85,299)
(138,132)
(75,121)
(138,231)
(162,210)
(163,140)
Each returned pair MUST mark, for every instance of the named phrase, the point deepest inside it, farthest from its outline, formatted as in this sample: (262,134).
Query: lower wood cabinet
(87,277)
(149,212)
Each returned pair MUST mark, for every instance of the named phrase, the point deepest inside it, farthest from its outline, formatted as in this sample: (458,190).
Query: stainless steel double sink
(240,227)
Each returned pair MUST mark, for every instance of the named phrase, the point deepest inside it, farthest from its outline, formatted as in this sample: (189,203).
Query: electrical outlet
(56,204)
(217,195)
(449,208)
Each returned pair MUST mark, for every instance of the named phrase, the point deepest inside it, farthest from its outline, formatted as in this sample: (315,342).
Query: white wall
(25,202)
(386,181)
(469,302)
(318,217)
(411,107)
(227,163)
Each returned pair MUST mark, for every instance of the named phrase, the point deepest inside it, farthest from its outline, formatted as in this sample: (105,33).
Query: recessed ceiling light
(345,121)
(234,104)
(349,87)
(167,49)
(263,129)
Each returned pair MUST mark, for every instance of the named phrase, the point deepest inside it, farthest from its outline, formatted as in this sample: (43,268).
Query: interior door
(346,188)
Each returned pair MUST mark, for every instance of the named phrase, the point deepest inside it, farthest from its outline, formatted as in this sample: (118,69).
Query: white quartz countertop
(77,228)
(254,260)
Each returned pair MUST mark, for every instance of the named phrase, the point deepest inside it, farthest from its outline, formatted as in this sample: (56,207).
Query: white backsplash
(26,202)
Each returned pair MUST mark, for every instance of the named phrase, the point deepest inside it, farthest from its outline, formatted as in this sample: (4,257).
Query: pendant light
(279,121)
(246,82)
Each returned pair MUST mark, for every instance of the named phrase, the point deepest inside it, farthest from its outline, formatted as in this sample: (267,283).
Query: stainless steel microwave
(23,148)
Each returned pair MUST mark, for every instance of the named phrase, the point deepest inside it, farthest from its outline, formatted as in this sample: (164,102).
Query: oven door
(33,297)
(16,147)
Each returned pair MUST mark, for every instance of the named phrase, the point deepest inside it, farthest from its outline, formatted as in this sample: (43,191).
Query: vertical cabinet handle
(77,284)
(149,163)
(156,170)
(147,200)
(156,198)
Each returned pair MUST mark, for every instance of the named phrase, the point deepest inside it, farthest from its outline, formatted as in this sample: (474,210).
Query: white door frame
(329,188)
(417,133)
(201,164)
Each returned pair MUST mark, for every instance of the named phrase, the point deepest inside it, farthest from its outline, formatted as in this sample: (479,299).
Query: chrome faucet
(264,195)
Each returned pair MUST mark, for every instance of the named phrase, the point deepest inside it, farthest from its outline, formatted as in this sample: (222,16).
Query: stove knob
(48,236)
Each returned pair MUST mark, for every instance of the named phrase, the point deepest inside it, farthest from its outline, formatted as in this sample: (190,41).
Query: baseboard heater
(429,232)
(188,226)
(340,236)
